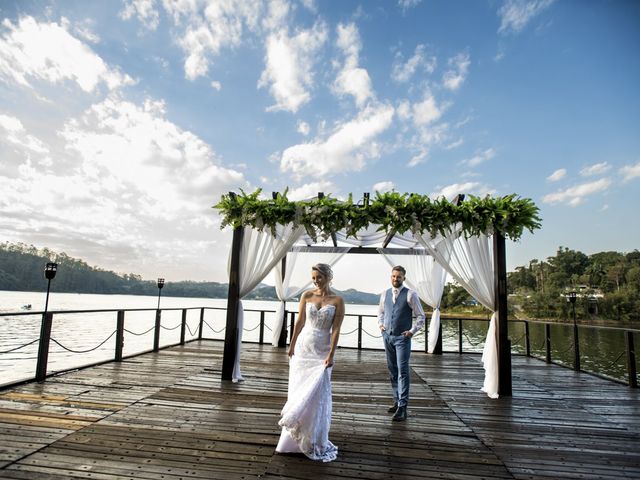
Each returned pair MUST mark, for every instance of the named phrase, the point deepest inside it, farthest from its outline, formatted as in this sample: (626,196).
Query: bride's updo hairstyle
(324,269)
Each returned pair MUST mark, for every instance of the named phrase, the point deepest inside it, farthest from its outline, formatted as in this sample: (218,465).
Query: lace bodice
(322,318)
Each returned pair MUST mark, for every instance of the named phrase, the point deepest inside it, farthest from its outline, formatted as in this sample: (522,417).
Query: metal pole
(156,332)
(261,341)
(201,323)
(359,332)
(183,326)
(527,339)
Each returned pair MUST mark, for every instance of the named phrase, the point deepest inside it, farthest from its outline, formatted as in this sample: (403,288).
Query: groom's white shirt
(414,302)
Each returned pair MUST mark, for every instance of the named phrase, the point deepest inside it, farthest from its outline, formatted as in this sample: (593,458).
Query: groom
(397,307)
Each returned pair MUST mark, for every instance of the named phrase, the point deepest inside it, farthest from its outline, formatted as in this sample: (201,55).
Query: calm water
(90,336)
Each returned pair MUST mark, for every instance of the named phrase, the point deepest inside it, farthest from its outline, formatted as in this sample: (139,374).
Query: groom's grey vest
(398,317)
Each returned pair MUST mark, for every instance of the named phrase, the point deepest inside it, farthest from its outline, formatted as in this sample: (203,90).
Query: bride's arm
(297,328)
(335,332)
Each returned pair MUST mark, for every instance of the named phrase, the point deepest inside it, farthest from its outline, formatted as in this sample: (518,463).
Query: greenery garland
(394,212)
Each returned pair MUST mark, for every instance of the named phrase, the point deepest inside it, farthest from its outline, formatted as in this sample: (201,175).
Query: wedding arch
(464,238)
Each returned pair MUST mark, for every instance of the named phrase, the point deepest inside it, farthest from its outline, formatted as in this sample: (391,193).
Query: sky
(123,122)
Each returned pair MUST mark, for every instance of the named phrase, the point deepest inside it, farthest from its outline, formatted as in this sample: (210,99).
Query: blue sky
(121,123)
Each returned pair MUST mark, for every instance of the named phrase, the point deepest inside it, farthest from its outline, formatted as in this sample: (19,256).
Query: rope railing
(139,334)
(170,328)
(214,330)
(471,337)
(83,351)
(20,347)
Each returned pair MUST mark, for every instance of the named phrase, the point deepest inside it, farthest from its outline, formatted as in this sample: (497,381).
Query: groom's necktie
(395,294)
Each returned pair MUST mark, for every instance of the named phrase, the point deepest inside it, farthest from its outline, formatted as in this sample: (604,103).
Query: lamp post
(572,297)
(50,270)
(160,285)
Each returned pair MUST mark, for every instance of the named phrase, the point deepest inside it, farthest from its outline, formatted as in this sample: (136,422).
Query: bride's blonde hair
(324,269)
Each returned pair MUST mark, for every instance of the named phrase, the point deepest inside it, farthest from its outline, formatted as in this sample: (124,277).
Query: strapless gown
(306,417)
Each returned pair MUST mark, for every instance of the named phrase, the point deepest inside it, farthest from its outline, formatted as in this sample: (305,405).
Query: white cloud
(383,186)
(418,158)
(346,149)
(480,157)
(209,27)
(169,170)
(289,66)
(32,51)
(310,190)
(453,78)
(407,4)
(402,72)
(144,10)
(468,188)
(426,111)
(516,14)
(15,134)
(557,175)
(575,196)
(629,172)
(596,169)
(352,79)
(304,128)
(216,85)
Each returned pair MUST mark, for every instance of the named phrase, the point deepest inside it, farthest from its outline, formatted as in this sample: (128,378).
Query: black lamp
(160,285)
(50,270)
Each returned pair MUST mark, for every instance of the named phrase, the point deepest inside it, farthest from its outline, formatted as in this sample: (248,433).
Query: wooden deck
(168,415)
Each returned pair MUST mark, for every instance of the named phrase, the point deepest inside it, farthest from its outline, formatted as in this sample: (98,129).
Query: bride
(306,417)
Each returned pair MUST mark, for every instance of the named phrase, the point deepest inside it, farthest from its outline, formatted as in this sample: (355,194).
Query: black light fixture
(160,285)
(50,270)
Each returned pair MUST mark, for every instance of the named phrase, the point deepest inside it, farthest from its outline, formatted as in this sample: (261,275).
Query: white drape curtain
(297,278)
(470,262)
(259,253)
(425,276)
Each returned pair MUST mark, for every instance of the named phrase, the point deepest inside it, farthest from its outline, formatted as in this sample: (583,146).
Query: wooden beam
(233,303)
(282,340)
(388,238)
(500,302)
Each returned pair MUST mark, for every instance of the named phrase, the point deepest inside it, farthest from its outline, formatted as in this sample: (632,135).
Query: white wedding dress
(306,417)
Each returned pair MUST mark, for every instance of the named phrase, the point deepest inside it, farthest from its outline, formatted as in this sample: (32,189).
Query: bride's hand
(291,350)
(328,362)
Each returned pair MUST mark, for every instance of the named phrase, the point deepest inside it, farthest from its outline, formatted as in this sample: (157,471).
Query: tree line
(607,283)
(22,269)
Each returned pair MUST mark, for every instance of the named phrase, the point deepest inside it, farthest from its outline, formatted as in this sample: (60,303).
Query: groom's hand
(407,334)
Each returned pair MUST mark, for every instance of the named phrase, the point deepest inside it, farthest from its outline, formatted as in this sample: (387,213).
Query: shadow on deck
(167,415)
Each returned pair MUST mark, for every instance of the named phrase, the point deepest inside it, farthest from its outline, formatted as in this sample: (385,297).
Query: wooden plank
(168,415)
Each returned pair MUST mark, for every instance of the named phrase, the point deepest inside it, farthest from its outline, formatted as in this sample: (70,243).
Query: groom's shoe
(393,408)
(400,415)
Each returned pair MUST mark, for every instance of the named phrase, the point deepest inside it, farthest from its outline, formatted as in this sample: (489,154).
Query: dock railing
(156,329)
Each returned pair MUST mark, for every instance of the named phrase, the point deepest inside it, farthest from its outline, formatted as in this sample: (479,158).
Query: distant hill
(21,269)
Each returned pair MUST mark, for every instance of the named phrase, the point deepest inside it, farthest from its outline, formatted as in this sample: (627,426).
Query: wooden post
(201,323)
(282,341)
(359,332)
(460,336)
(183,326)
(631,360)
(119,335)
(547,342)
(43,347)
(261,340)
(233,305)
(156,332)
(527,339)
(438,348)
(502,328)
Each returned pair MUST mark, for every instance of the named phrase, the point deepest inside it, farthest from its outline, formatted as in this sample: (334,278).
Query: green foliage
(392,211)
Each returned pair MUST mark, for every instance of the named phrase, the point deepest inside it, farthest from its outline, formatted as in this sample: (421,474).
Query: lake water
(80,339)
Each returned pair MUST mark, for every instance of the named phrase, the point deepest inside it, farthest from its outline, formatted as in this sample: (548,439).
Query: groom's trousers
(398,349)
